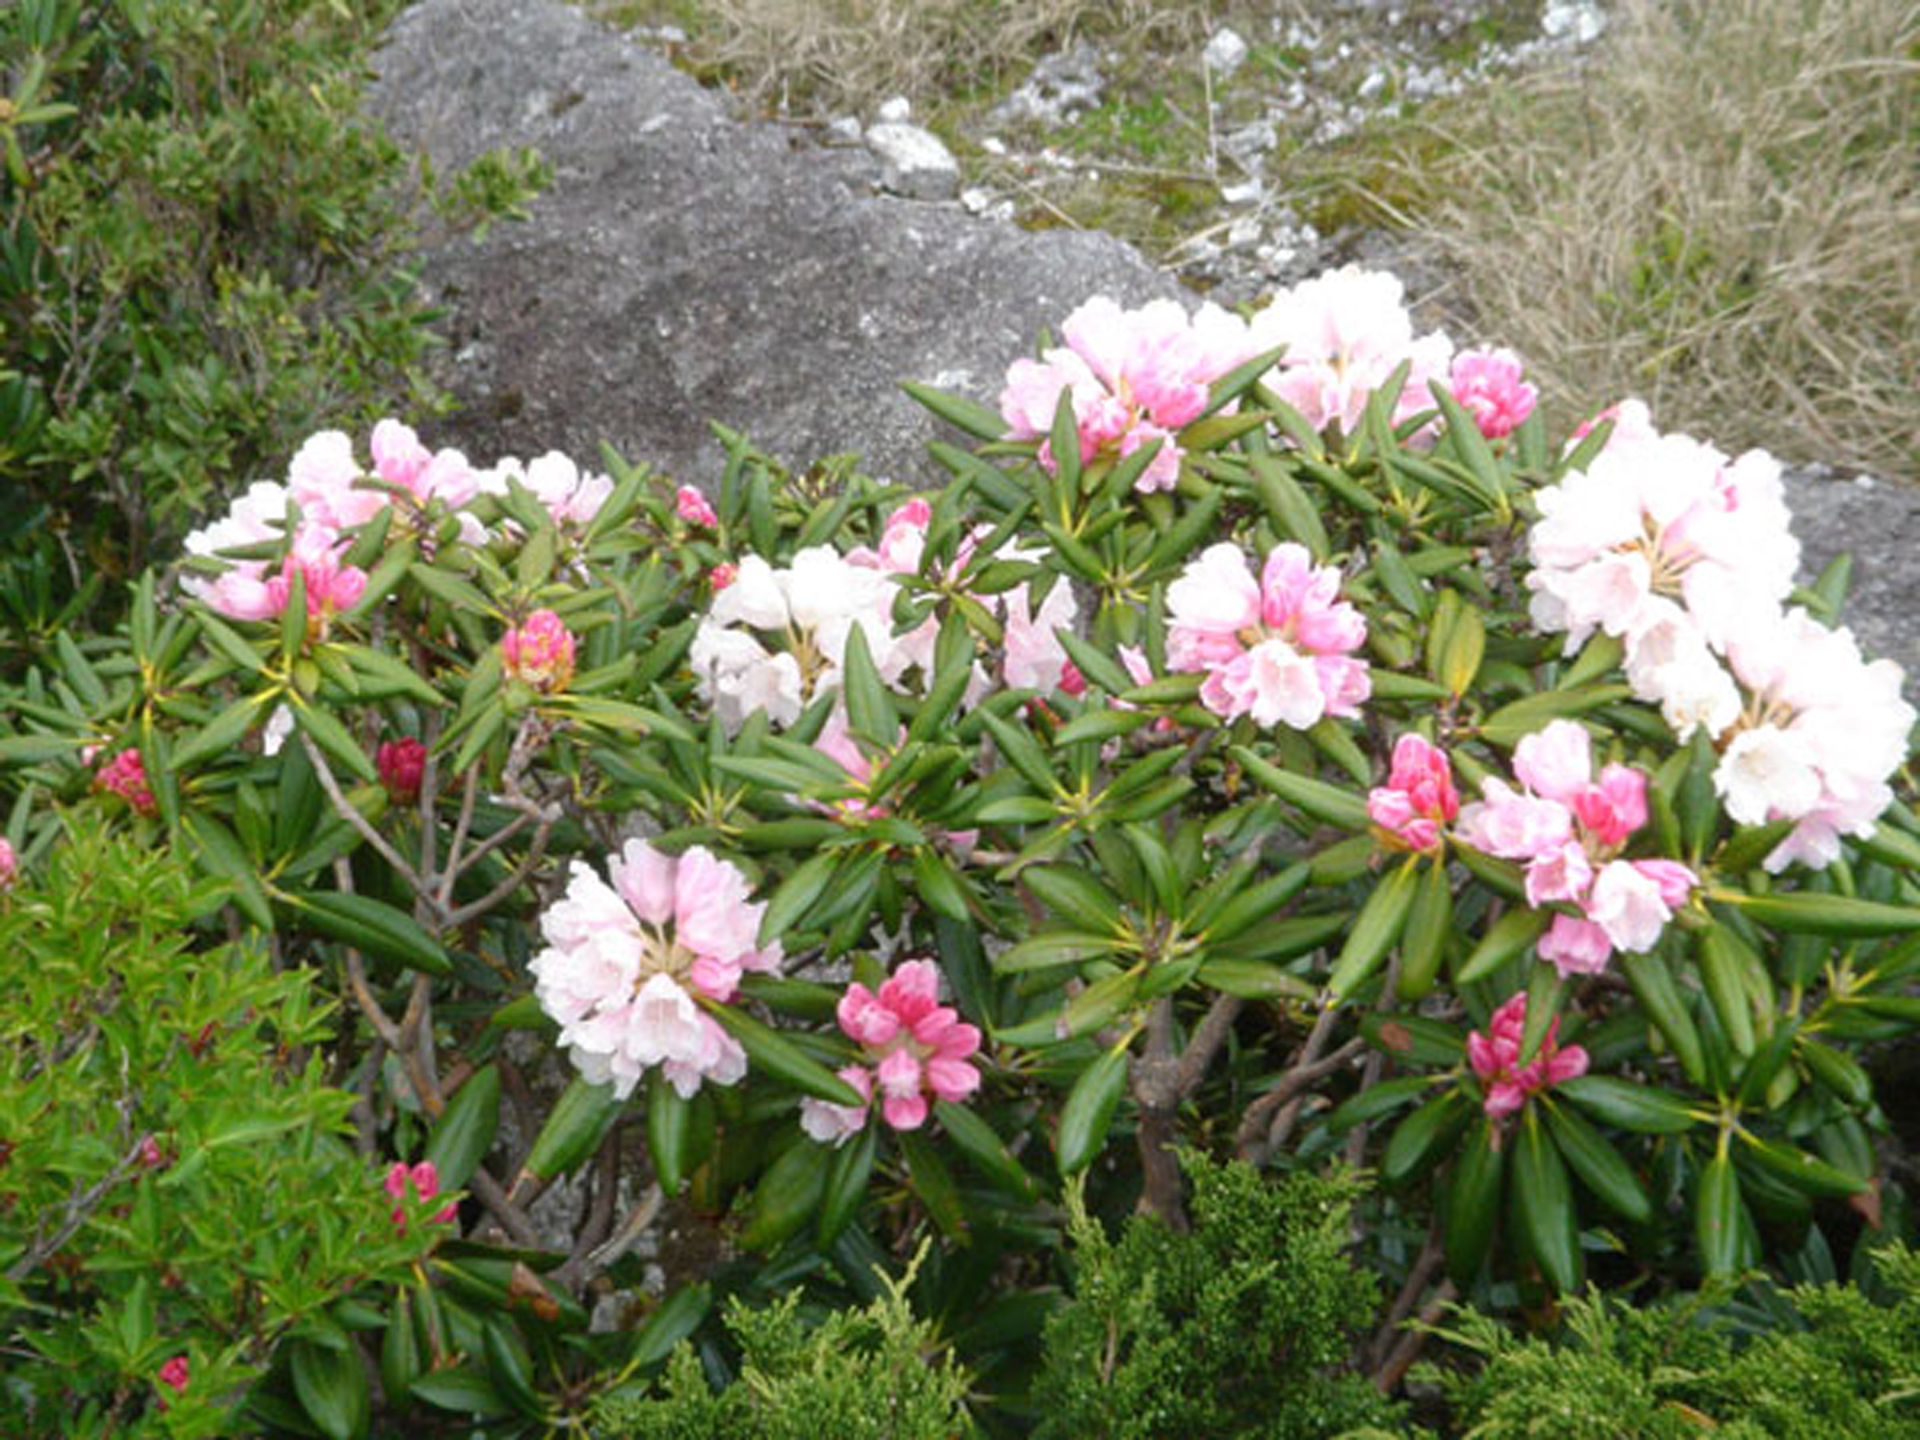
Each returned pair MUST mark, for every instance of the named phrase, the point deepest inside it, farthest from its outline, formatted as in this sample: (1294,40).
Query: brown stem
(1256,1138)
(1393,1370)
(469,793)
(1419,1276)
(344,808)
(535,854)
(1156,1090)
(1207,1039)
(511,1217)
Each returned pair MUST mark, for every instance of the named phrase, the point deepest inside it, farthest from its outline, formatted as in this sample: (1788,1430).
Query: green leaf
(332,1387)
(1512,934)
(796,895)
(1542,1201)
(1314,797)
(1720,970)
(223,733)
(1508,725)
(1717,1218)
(933,1183)
(958,411)
(373,926)
(1414,1038)
(464,1132)
(1076,896)
(787,1196)
(388,674)
(1598,1164)
(1800,1170)
(574,1128)
(1374,931)
(1424,941)
(1654,987)
(1419,1141)
(1472,1203)
(1088,1113)
(229,643)
(1288,506)
(1813,914)
(1253,979)
(677,1317)
(938,885)
(1642,1109)
(1376,1100)
(973,1137)
(333,737)
(870,712)
(1022,752)
(846,1184)
(781,1058)
(669,1132)
(1054,949)
(399,1347)
(463,1391)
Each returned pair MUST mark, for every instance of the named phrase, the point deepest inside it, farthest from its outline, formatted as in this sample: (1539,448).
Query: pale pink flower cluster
(1345,333)
(423,1180)
(774,640)
(691,506)
(1135,376)
(572,496)
(125,775)
(914,1047)
(1489,386)
(1278,648)
(1419,796)
(1570,829)
(625,962)
(1688,558)
(1495,1057)
(539,652)
(1033,657)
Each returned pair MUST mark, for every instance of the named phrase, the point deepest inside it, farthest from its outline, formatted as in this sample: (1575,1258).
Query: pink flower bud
(125,775)
(1419,796)
(9,866)
(693,508)
(401,764)
(176,1375)
(424,1180)
(1495,1057)
(539,652)
(151,1155)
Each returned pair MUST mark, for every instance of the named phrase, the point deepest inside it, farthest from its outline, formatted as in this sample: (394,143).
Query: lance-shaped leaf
(464,1133)
(1378,925)
(1598,1164)
(1088,1113)
(779,1057)
(373,926)
(1542,1201)
(1472,1203)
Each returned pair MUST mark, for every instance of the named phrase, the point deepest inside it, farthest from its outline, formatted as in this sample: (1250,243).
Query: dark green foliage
(1834,1364)
(174,1181)
(872,1374)
(201,260)
(1239,1328)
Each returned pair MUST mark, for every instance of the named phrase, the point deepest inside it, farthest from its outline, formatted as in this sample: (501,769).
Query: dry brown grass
(1719,212)
(845,55)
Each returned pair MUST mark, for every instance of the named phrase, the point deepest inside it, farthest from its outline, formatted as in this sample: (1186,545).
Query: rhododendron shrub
(1269,741)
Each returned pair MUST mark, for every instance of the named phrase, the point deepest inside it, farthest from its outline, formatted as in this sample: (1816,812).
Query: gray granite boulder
(685,267)
(1878,523)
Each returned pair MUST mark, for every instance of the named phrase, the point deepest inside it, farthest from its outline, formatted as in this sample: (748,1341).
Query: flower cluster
(1135,376)
(1489,386)
(125,775)
(423,1179)
(773,640)
(1418,798)
(1495,1057)
(1570,830)
(914,1047)
(539,652)
(569,494)
(176,1374)
(1345,333)
(1688,558)
(626,965)
(1278,648)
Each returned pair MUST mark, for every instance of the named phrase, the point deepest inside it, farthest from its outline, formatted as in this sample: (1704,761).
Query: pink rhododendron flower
(723,575)
(9,866)
(691,506)
(423,1180)
(914,1047)
(1277,649)
(1570,828)
(539,652)
(1488,386)
(1495,1059)
(1135,376)
(1345,333)
(402,764)
(624,962)
(125,775)
(1419,796)
(177,1375)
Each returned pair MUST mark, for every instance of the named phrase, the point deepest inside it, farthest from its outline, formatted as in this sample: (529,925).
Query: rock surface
(684,267)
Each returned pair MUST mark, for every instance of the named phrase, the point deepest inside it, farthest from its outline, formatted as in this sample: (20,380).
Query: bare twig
(1207,1039)
(346,811)
(1394,1368)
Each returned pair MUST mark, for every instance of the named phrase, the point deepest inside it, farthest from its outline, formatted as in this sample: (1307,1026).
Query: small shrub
(1240,1327)
(175,1193)
(1840,1364)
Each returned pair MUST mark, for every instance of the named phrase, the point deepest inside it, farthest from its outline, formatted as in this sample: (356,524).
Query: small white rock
(846,127)
(1578,21)
(994,145)
(1248,192)
(1224,51)
(975,200)
(915,163)
(1375,82)
(896,111)
(1243,232)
